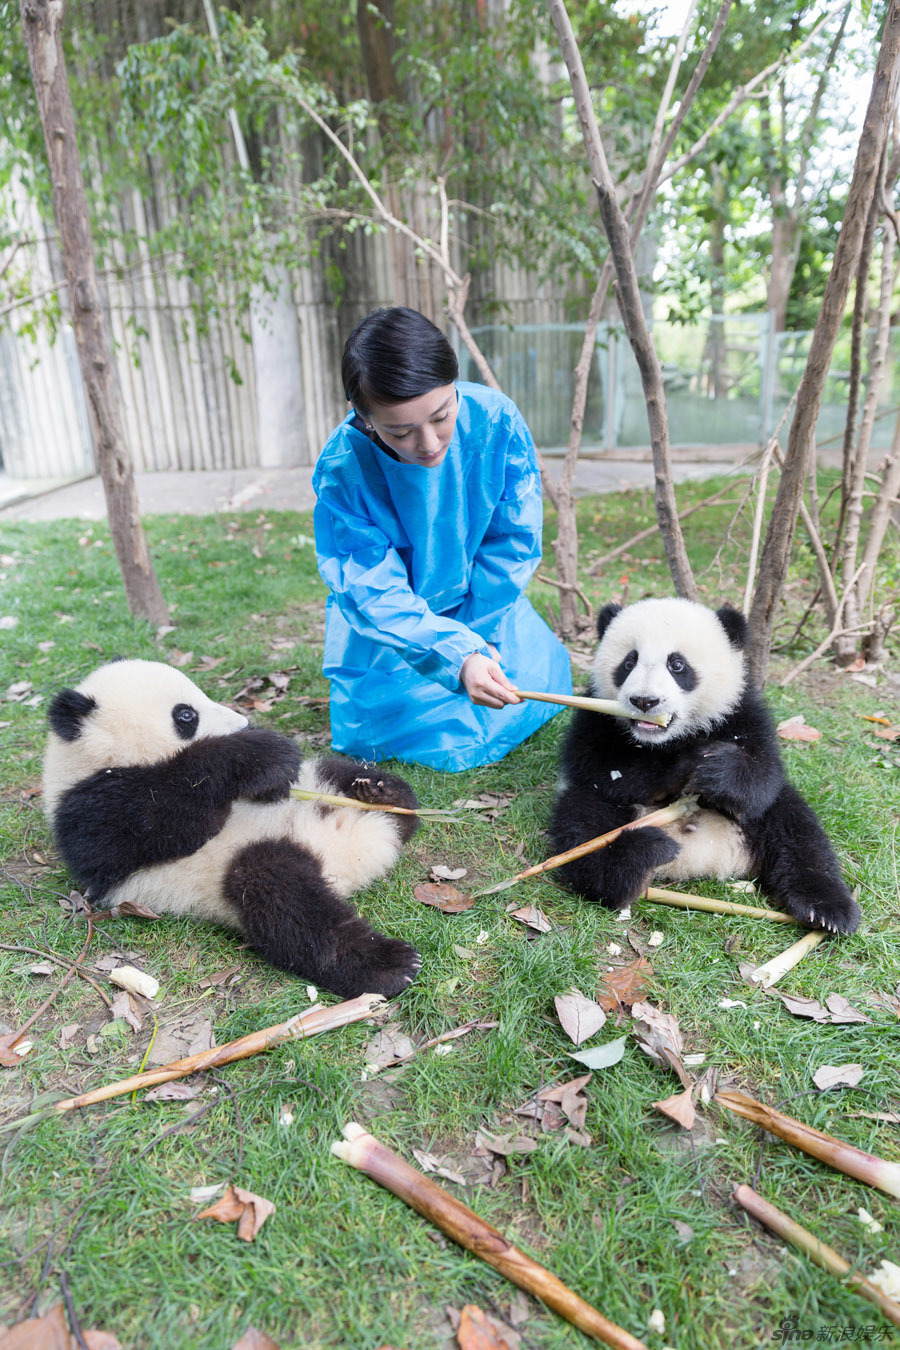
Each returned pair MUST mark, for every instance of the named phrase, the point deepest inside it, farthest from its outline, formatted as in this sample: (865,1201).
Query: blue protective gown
(425,566)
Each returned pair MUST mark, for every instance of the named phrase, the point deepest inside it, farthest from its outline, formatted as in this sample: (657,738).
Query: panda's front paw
(268,765)
(717,775)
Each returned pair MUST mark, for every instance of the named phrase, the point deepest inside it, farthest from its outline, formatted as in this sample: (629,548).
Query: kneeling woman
(428,530)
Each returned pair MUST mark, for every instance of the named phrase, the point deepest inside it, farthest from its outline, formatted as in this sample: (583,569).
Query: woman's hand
(484,682)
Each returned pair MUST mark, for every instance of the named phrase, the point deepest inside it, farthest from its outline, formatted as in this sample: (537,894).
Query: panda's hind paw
(835,912)
(384,966)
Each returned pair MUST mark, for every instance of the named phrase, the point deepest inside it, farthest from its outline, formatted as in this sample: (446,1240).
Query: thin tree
(865,182)
(42,23)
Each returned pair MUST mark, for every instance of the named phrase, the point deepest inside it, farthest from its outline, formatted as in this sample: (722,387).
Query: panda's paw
(831,908)
(718,773)
(382,789)
(621,872)
(385,966)
(268,765)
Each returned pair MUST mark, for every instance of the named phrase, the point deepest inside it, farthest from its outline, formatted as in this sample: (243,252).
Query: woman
(428,529)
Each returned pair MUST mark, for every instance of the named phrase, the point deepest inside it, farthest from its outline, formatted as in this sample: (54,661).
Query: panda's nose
(644,704)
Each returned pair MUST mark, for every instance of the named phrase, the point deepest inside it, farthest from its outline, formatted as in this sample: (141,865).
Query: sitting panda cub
(680,658)
(158,796)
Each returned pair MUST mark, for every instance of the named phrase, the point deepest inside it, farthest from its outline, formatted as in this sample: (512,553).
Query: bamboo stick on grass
(296,1028)
(778,967)
(682,900)
(853,1162)
(364,1152)
(820,1252)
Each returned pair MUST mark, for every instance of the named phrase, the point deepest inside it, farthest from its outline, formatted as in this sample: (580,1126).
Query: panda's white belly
(354,848)
(711,846)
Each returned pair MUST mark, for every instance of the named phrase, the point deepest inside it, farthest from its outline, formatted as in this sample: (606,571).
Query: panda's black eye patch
(682,671)
(186,720)
(624,668)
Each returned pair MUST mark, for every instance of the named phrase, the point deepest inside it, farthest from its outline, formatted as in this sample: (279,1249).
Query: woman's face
(419,430)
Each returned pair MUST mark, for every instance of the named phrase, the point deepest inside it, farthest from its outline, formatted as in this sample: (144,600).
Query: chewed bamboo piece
(853,1162)
(364,1152)
(778,967)
(332,799)
(664,816)
(683,900)
(820,1252)
(600,705)
(296,1028)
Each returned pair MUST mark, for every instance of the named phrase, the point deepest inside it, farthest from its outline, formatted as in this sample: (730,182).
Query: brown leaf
(505,1144)
(842,1010)
(8,1056)
(804,1007)
(131,909)
(443,896)
(255,1340)
(251,1211)
(532,916)
(100,1340)
(625,986)
(556,1094)
(124,1005)
(478,1331)
(680,1107)
(837,1075)
(887,733)
(796,729)
(579,1017)
(51,1332)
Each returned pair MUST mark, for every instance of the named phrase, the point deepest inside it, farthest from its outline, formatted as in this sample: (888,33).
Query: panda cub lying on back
(682,659)
(158,796)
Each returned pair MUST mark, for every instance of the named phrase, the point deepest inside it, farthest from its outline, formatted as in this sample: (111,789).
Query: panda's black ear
(68,711)
(606,616)
(735,625)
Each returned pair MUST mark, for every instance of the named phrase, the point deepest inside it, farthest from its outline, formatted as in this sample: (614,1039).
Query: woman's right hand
(484,681)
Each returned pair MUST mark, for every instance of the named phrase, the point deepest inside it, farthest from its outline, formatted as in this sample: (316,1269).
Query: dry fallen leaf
(796,729)
(579,1017)
(532,916)
(440,872)
(805,1007)
(843,1011)
(505,1144)
(478,1331)
(251,1211)
(680,1107)
(443,896)
(837,1075)
(255,1340)
(628,985)
(51,1332)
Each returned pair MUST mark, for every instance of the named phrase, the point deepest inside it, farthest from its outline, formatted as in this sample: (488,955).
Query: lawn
(634,1213)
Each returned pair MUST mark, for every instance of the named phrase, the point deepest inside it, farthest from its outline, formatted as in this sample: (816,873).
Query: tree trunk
(780,535)
(630,306)
(42,23)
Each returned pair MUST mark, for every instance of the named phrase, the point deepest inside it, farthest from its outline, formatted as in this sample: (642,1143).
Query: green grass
(103,1196)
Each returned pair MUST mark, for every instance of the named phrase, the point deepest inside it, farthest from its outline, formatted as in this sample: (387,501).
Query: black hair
(394,355)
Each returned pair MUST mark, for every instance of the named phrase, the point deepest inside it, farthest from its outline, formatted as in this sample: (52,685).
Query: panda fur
(677,657)
(159,796)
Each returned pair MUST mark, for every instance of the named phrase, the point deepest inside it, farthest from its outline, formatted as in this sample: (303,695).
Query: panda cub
(158,796)
(680,658)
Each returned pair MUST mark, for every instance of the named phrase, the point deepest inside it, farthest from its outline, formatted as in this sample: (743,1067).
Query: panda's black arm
(739,771)
(123,819)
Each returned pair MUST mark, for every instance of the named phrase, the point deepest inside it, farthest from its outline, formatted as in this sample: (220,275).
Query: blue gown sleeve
(511,548)
(370,586)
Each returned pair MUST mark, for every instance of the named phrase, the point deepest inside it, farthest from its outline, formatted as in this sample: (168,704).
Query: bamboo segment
(664,816)
(600,705)
(682,900)
(823,1255)
(296,1028)
(779,966)
(853,1162)
(332,799)
(364,1152)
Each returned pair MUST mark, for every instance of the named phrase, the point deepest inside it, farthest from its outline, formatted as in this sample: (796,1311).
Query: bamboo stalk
(664,816)
(682,900)
(332,799)
(600,705)
(820,1252)
(298,1027)
(853,1162)
(364,1152)
(770,973)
